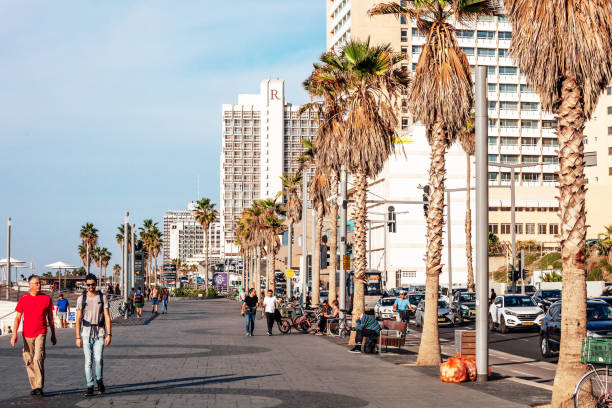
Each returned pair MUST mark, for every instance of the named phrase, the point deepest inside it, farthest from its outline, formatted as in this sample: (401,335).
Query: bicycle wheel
(594,390)
(285,325)
(299,325)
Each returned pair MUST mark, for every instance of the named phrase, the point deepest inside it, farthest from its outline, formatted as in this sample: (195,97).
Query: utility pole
(126,238)
(343,204)
(482,225)
(8,259)
(314,247)
(132,256)
(450,248)
(289,259)
(521,271)
(304,260)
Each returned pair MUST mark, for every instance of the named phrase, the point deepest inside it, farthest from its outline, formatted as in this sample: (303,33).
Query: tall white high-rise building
(262,136)
(184,237)
(519,132)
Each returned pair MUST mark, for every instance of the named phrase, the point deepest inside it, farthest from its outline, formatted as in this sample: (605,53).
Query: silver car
(445,314)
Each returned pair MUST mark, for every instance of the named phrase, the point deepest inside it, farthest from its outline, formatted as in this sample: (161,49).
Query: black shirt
(251,301)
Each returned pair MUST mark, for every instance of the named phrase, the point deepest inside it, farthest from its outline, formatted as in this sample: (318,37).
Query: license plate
(441,319)
(528,323)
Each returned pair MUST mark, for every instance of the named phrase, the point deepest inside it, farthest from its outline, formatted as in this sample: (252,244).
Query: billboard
(220,279)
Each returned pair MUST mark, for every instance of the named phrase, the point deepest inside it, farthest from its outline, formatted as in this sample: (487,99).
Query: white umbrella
(60,265)
(14,263)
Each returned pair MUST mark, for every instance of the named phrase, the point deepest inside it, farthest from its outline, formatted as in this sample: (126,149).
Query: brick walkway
(198,356)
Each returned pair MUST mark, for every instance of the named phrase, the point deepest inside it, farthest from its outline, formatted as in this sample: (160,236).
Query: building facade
(262,137)
(184,238)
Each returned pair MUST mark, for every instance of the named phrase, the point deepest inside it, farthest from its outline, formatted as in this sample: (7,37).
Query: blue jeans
(93,347)
(250,322)
(164,305)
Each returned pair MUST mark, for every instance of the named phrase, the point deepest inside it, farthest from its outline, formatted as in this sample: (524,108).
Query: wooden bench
(393,334)
(465,343)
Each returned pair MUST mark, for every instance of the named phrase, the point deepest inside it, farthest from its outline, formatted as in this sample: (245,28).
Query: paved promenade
(197,355)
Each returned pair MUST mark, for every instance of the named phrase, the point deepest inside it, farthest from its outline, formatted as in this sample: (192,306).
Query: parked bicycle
(304,319)
(594,389)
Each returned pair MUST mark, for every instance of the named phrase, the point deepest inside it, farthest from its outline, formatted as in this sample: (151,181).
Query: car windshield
(518,301)
(551,294)
(323,294)
(599,312)
(414,299)
(388,301)
(442,304)
(467,297)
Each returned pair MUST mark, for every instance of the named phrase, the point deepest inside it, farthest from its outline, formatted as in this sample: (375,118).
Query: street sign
(346,262)
(289,273)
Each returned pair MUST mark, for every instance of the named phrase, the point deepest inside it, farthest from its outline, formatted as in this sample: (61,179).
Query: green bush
(595,274)
(529,259)
(212,292)
(551,259)
(189,292)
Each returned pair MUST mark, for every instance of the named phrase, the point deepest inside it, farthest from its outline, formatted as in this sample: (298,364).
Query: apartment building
(520,132)
(262,137)
(184,237)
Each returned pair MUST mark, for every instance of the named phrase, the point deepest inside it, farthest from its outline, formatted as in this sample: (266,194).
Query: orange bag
(470,367)
(453,370)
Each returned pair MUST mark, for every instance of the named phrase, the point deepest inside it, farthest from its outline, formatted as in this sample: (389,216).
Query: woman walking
(249,308)
(164,300)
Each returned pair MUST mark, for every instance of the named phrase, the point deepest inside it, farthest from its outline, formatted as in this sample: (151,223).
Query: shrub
(212,292)
(552,259)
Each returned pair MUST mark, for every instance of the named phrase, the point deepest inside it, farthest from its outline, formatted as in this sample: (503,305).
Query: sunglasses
(90,284)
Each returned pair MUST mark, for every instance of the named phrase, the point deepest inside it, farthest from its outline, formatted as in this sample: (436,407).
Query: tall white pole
(126,238)
(482,225)
(132,256)
(513,226)
(8,259)
(289,258)
(304,263)
(450,249)
(314,247)
(343,206)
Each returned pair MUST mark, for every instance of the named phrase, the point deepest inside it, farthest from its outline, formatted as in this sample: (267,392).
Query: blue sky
(114,105)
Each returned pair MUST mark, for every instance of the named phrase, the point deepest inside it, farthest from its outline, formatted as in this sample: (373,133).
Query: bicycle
(303,321)
(340,326)
(594,389)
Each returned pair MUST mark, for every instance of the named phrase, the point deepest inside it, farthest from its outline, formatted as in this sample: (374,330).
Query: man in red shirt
(37,311)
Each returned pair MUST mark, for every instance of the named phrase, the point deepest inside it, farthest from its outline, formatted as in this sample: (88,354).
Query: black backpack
(369,346)
(101,310)
(138,298)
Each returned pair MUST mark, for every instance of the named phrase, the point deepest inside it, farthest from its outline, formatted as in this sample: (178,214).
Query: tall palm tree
(97,258)
(155,246)
(117,272)
(205,214)
(442,74)
(145,237)
(89,235)
(467,139)
(293,206)
(565,50)
(105,257)
(271,226)
(83,254)
(177,263)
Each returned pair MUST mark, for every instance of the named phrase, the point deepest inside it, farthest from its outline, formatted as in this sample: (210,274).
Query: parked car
(384,308)
(446,315)
(465,305)
(323,295)
(607,299)
(514,311)
(529,290)
(545,298)
(414,300)
(599,324)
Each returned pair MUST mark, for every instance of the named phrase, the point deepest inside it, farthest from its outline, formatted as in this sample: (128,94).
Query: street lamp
(8,258)
(512,168)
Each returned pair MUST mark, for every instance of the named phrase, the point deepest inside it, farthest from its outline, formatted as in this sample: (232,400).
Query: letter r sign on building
(274,94)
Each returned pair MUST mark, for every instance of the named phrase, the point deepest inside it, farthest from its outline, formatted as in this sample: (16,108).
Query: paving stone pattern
(198,355)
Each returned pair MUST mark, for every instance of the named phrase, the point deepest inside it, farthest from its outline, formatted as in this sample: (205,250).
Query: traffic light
(349,248)
(324,256)
(391,218)
(426,199)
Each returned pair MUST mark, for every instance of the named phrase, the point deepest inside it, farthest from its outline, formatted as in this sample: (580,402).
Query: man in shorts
(37,311)
(138,301)
(63,309)
(154,300)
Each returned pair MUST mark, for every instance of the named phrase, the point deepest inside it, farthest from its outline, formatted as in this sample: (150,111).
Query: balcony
(504,43)
(531,149)
(506,61)
(508,79)
(547,115)
(493,149)
(493,113)
(492,131)
(463,42)
(487,25)
(509,131)
(420,40)
(492,96)
(530,114)
(509,149)
(504,26)
(548,132)
(550,150)
(491,78)
(550,168)
(529,97)
(508,114)
(530,131)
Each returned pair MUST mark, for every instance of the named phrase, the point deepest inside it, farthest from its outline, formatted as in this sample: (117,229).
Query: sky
(113,106)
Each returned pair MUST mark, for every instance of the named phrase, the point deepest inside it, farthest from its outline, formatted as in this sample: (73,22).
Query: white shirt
(270,304)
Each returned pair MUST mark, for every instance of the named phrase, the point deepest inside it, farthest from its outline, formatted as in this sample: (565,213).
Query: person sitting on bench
(366,326)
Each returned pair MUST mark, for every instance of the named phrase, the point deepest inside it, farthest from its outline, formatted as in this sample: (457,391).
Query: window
(502,19)
(609,110)
(610,130)
(507,70)
(526,89)
(492,123)
(518,228)
(529,141)
(405,123)
(550,142)
(508,105)
(490,70)
(493,141)
(492,87)
(404,50)
(529,124)
(530,229)
(492,176)
(468,51)
(504,35)
(509,141)
(531,177)
(529,106)
(609,171)
(492,105)
(550,159)
(553,229)
(415,32)
(486,35)
(492,158)
(502,52)
(549,124)
(416,49)
(508,158)
(505,228)
(508,123)
(590,159)
(609,91)
(464,33)
(494,228)
(509,88)
(531,159)
(609,151)
(404,35)
(486,52)
(542,229)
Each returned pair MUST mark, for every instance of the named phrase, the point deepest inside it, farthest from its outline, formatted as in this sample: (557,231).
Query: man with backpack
(93,332)
(138,301)
(366,326)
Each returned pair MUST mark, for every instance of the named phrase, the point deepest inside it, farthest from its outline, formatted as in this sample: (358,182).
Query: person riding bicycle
(402,307)
(365,326)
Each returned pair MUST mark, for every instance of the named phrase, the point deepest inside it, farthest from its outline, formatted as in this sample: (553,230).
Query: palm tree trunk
(289,260)
(273,272)
(206,260)
(572,193)
(361,189)
(333,244)
(257,280)
(429,349)
(316,258)
(468,229)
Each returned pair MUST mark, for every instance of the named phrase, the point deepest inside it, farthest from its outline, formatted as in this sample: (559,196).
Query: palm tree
(97,258)
(442,74)
(89,235)
(105,260)
(177,262)
(155,246)
(271,226)
(83,254)
(293,207)
(467,139)
(117,272)
(205,214)
(565,50)
(146,238)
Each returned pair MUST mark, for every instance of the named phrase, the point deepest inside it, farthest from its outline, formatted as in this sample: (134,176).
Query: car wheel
(545,347)
(502,325)
(491,324)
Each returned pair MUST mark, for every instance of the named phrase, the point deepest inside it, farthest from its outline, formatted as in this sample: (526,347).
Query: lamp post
(304,260)
(8,258)
(133,255)
(512,168)
(126,237)
(343,204)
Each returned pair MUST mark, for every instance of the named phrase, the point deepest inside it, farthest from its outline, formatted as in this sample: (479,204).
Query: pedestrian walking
(402,307)
(138,301)
(270,307)
(93,332)
(164,300)
(154,300)
(147,293)
(37,312)
(493,296)
(63,309)
(249,309)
